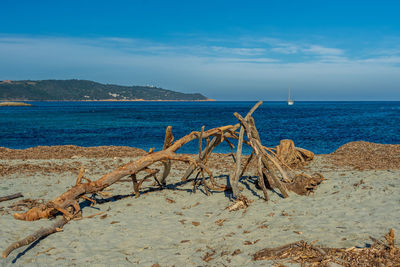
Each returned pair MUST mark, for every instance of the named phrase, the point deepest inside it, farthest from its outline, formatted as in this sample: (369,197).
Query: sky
(226,50)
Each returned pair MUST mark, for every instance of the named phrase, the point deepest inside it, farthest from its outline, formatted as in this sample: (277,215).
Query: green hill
(85,90)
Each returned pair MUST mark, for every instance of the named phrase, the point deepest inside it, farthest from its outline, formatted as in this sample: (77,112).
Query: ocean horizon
(320,126)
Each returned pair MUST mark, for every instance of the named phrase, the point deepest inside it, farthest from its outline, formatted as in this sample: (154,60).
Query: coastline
(14,104)
(113,100)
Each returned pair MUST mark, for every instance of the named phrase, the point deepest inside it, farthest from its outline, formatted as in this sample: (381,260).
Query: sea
(321,127)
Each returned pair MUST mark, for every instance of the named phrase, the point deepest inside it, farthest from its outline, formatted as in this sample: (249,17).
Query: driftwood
(304,184)
(235,177)
(56,227)
(291,155)
(380,253)
(260,152)
(270,168)
(10,197)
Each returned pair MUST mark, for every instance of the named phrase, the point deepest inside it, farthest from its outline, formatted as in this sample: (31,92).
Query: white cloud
(297,47)
(248,60)
(385,60)
(239,50)
(321,50)
(287,49)
(239,73)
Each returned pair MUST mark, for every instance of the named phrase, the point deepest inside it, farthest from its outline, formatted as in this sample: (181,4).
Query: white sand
(151,230)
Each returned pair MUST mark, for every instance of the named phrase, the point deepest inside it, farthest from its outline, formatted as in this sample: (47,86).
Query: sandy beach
(176,227)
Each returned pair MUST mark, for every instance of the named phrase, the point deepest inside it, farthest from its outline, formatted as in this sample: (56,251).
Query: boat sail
(290,101)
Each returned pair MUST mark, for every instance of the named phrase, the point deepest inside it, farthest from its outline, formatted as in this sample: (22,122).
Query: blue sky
(227,50)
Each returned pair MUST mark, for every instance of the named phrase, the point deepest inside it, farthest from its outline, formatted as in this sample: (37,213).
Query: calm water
(319,126)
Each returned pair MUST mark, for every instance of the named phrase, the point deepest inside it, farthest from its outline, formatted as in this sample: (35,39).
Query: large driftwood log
(67,203)
(269,168)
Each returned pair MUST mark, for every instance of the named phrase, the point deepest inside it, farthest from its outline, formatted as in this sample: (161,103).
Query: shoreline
(113,100)
(350,147)
(14,104)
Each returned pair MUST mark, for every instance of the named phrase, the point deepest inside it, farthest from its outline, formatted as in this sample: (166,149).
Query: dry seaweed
(362,155)
(70,151)
(378,254)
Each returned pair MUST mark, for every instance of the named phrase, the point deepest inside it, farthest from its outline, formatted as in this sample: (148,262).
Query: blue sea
(318,126)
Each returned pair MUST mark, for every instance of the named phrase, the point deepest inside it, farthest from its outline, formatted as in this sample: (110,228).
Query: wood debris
(378,254)
(10,197)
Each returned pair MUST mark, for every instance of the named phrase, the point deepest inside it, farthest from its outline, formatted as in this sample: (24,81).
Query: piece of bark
(261,178)
(235,177)
(10,197)
(135,185)
(169,139)
(80,176)
(304,184)
(56,227)
(201,141)
(247,164)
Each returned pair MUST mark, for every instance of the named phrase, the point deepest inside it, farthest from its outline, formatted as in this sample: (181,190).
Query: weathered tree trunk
(291,155)
(67,203)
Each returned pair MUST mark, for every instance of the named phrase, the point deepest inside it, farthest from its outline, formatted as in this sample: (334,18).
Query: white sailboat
(290,101)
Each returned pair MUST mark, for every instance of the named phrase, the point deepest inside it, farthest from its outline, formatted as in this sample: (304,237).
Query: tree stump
(293,156)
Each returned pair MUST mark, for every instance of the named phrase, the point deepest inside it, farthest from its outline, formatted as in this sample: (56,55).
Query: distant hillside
(85,90)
